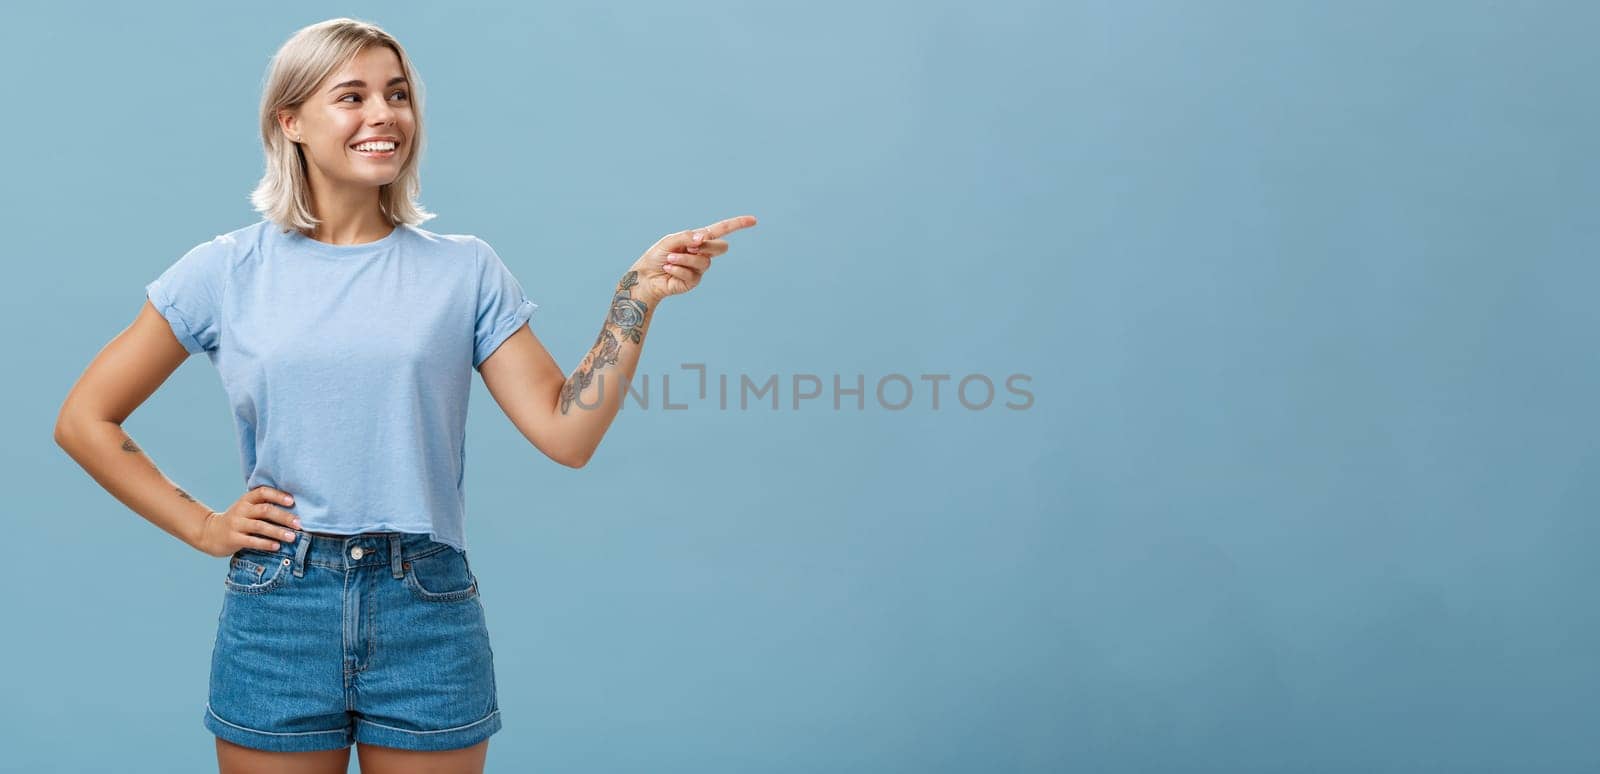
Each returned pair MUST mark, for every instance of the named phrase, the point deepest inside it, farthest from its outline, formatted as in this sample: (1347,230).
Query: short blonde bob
(305,60)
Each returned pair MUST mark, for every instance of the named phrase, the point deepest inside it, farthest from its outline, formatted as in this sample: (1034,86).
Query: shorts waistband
(348,552)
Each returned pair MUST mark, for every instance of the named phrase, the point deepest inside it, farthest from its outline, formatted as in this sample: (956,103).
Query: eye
(401,93)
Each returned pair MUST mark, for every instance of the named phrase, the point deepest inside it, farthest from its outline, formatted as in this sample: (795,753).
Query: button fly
(356,553)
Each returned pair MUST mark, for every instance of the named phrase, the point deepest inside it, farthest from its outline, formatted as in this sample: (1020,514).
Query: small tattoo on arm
(185,495)
(129,446)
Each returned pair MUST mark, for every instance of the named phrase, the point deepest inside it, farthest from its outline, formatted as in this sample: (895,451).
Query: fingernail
(297,524)
(289,536)
(698,236)
(672,259)
(288,499)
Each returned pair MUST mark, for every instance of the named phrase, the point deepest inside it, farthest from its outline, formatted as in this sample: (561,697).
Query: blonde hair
(304,61)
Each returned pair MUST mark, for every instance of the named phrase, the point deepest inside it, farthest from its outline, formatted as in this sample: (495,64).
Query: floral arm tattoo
(624,323)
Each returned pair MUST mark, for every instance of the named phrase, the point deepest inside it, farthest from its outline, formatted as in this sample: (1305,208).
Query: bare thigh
(376,759)
(238,759)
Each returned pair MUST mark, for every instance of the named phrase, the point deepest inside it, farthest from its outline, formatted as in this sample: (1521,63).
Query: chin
(372,181)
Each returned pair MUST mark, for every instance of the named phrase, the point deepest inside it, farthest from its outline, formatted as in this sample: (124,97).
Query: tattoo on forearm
(129,446)
(625,322)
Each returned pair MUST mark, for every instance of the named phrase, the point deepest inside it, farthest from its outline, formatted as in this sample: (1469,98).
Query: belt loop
(300,552)
(394,557)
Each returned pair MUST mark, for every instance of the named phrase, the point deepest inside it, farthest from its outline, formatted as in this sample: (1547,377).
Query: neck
(347,216)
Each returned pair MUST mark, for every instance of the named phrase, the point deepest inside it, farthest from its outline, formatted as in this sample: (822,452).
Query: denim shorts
(377,638)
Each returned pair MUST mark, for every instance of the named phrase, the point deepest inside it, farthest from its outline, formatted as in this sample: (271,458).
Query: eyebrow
(363,84)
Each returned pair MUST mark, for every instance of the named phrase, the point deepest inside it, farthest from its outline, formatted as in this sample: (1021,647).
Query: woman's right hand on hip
(256,521)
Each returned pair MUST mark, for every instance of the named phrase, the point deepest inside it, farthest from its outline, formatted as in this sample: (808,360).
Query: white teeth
(375,146)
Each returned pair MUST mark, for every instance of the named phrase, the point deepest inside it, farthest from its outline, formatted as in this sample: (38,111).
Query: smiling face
(367,98)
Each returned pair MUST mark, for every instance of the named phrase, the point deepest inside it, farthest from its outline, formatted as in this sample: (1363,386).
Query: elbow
(574,459)
(72,425)
(64,431)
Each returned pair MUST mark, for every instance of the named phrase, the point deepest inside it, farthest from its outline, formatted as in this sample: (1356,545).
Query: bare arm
(89,427)
(566,417)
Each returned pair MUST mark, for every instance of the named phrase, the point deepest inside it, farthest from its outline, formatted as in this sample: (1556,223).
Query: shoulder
(211,261)
(224,251)
(470,249)
(464,243)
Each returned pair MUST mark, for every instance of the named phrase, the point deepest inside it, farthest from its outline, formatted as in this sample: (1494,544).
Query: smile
(377,150)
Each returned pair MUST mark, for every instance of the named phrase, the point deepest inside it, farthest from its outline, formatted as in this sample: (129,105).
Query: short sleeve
(502,306)
(189,295)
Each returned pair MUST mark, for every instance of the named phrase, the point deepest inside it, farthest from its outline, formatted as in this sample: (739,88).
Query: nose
(382,115)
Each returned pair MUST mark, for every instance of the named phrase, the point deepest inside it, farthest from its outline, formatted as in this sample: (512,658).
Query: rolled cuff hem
(502,331)
(180,327)
(368,732)
(300,741)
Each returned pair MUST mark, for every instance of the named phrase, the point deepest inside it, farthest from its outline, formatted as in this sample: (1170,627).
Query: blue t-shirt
(348,367)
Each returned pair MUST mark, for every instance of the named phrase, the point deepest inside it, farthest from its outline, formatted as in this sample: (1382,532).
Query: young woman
(345,337)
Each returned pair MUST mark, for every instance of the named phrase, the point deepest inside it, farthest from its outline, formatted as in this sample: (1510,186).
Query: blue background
(1304,291)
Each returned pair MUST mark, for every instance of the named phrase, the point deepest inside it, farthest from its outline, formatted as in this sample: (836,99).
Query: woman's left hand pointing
(677,262)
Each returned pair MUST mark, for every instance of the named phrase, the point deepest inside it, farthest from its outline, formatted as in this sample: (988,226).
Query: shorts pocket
(440,576)
(255,572)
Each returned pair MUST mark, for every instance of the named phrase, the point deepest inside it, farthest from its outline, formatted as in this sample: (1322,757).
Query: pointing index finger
(722,228)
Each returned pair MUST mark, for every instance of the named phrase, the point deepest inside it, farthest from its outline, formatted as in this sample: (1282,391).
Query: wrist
(631,287)
(197,534)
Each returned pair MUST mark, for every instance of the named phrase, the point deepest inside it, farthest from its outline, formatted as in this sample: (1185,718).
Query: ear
(289,122)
